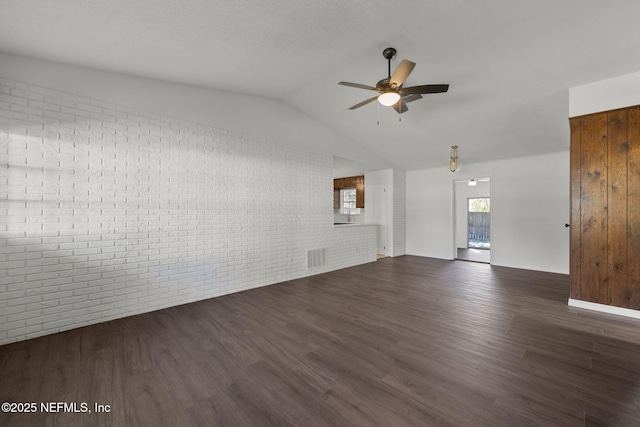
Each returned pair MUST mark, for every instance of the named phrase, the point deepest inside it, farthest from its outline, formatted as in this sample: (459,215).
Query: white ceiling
(509,63)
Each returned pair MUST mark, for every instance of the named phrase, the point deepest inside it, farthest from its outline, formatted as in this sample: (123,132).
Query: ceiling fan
(390,90)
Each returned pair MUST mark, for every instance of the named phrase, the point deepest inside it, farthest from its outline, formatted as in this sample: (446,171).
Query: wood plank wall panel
(593,213)
(633,208)
(618,148)
(605,208)
(575,260)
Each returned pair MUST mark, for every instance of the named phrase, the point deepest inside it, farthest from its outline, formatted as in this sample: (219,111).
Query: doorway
(472,222)
(376,202)
(479,222)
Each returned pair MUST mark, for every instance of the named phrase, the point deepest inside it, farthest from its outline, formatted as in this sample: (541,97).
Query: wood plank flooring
(404,341)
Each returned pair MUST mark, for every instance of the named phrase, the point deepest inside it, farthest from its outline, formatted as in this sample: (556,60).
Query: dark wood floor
(403,341)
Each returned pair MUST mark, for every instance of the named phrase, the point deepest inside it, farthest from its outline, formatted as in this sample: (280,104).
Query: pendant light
(453,160)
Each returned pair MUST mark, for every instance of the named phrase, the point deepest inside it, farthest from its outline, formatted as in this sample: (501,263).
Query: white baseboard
(627,312)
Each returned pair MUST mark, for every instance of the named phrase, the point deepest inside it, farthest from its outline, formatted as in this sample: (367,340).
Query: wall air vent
(316,258)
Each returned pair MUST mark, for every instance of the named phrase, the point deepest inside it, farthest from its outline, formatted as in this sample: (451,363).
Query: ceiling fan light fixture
(388,98)
(391,91)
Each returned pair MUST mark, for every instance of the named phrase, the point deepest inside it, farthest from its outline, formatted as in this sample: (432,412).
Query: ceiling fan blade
(360,104)
(401,73)
(423,89)
(358,85)
(400,107)
(411,98)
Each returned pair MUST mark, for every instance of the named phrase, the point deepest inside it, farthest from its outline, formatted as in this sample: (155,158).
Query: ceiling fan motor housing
(389,53)
(383,85)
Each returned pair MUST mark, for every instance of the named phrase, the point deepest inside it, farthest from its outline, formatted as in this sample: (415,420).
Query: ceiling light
(388,98)
(453,160)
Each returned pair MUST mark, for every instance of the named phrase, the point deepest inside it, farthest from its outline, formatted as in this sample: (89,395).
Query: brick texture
(107,211)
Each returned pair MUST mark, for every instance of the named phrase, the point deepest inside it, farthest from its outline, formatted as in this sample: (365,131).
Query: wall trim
(604,95)
(610,309)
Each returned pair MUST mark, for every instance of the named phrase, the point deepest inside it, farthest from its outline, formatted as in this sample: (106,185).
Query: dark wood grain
(576,192)
(605,200)
(617,213)
(593,209)
(633,236)
(402,341)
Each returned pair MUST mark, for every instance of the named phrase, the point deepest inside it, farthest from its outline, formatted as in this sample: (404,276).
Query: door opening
(479,223)
(377,203)
(473,220)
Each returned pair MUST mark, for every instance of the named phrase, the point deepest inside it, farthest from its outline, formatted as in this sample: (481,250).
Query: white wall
(250,115)
(108,211)
(604,95)
(529,204)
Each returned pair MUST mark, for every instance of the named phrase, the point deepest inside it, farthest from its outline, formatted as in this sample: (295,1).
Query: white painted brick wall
(107,211)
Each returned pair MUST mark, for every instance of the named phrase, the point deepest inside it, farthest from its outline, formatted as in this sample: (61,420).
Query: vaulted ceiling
(509,63)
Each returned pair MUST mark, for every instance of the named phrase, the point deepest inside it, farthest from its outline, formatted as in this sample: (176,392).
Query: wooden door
(605,208)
